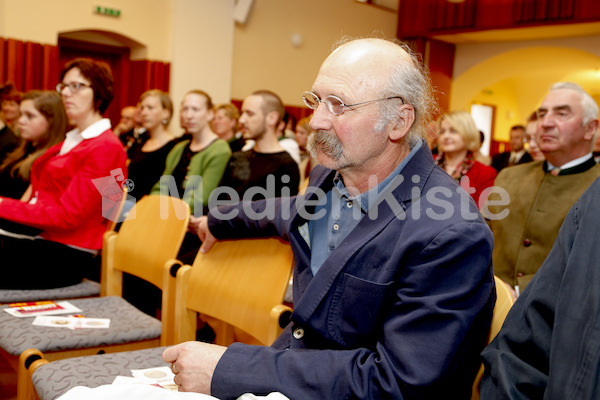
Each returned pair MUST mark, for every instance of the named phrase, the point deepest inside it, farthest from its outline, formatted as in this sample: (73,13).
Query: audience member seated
(458,137)
(548,345)
(266,166)
(288,143)
(518,153)
(287,138)
(225,125)
(148,157)
(530,131)
(195,166)
(307,161)
(541,193)
(485,160)
(389,302)
(289,129)
(70,192)
(10,98)
(42,124)
(129,129)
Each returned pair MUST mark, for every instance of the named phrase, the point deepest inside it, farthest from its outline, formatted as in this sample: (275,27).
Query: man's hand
(204,234)
(122,127)
(193,224)
(193,364)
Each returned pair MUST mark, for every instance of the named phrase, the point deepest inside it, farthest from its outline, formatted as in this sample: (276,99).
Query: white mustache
(328,143)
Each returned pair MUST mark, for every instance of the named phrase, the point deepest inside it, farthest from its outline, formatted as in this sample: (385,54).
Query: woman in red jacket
(66,206)
(458,137)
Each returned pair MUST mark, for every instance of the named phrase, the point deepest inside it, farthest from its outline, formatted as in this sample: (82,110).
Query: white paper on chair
(147,392)
(35,308)
(157,376)
(130,392)
(71,322)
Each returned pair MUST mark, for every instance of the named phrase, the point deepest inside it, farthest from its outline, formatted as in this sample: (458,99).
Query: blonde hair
(463,123)
(165,101)
(304,122)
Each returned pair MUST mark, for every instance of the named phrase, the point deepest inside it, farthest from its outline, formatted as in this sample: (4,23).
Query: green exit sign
(110,12)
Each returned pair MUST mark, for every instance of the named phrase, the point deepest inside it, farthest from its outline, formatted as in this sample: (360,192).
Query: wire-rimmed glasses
(334,104)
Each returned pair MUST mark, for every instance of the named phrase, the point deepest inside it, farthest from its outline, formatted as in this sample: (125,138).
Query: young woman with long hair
(42,124)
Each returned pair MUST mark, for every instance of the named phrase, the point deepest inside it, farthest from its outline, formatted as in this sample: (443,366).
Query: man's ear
(403,123)
(591,129)
(271,119)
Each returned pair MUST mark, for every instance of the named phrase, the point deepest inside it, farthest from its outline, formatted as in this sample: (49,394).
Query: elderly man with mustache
(393,287)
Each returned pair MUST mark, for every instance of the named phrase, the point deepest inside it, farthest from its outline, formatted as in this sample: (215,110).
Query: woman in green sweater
(194,167)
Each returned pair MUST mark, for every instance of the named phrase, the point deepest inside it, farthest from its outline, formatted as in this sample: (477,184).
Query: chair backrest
(239,282)
(151,235)
(504,302)
(145,246)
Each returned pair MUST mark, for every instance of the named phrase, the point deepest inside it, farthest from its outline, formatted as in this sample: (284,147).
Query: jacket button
(520,274)
(298,333)
(526,242)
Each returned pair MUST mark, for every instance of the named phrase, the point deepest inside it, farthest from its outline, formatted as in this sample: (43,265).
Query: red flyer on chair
(34,308)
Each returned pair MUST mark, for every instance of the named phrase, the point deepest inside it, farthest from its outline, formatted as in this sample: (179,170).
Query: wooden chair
(241,281)
(147,240)
(504,302)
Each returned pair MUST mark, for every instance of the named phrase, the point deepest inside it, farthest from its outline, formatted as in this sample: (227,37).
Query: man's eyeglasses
(74,86)
(334,104)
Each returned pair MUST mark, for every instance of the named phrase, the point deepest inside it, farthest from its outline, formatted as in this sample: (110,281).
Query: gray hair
(590,108)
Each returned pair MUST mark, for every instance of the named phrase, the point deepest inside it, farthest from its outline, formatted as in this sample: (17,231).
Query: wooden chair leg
(34,365)
(24,385)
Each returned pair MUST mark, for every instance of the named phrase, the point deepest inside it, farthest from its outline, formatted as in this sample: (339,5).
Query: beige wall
(199,38)
(145,21)
(201,50)
(195,36)
(264,57)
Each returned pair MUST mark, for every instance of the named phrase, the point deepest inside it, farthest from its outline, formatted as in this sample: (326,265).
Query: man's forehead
(562,98)
(252,102)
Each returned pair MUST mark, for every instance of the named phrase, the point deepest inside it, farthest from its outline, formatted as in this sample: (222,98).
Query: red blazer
(69,207)
(481,177)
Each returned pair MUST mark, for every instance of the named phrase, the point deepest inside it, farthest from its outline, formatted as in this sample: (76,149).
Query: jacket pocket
(356,310)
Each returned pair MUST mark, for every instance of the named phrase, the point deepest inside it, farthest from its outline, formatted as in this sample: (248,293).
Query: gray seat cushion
(56,378)
(86,288)
(127,324)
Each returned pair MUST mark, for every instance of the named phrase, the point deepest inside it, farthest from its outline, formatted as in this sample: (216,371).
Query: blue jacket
(549,345)
(400,310)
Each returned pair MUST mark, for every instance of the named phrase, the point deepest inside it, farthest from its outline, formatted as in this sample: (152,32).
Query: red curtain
(147,75)
(28,65)
(37,66)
